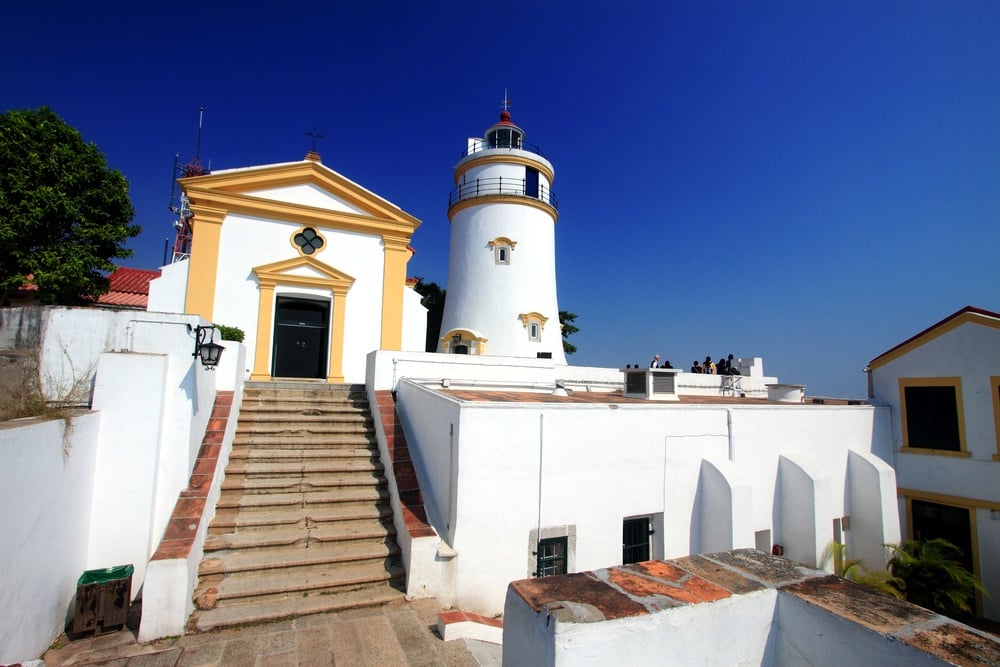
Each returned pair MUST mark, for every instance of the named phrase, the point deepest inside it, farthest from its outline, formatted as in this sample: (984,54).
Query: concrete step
(324,580)
(289,402)
(303,396)
(261,612)
(272,417)
(283,558)
(302,483)
(231,520)
(306,440)
(295,409)
(310,499)
(319,430)
(344,531)
(252,469)
(307,456)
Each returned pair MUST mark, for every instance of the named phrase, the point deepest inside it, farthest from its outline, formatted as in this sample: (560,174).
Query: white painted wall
(388,367)
(414,322)
(151,404)
(129,394)
(972,353)
(807,634)
(46,484)
(805,528)
(308,194)
(589,466)
(168,292)
(871,507)
(725,507)
(769,628)
(732,631)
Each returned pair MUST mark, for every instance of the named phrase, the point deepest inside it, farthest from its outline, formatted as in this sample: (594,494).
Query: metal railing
(517,187)
(480,145)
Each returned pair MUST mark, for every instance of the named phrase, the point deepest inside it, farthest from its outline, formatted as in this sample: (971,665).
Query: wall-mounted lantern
(204,348)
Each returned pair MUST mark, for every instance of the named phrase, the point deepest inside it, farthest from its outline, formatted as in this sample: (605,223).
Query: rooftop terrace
(735,607)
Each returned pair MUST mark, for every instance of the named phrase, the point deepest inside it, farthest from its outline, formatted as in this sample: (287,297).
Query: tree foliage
(566,319)
(433,300)
(64,215)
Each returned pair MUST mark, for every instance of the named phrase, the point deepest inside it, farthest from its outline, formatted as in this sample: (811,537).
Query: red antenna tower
(179,204)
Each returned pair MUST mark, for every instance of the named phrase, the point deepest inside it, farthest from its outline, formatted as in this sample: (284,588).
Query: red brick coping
(410,498)
(190,508)
(459,616)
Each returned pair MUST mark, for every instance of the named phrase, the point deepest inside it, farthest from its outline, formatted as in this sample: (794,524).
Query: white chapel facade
(310,265)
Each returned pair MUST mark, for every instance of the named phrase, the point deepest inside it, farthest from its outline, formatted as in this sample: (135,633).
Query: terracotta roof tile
(129,287)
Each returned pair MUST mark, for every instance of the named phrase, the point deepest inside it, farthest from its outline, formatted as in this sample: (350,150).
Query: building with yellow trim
(310,265)
(943,388)
(502,263)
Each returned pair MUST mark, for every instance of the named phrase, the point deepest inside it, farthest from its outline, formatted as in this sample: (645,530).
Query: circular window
(308,241)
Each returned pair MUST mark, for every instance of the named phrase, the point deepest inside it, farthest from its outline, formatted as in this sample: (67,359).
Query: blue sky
(808,182)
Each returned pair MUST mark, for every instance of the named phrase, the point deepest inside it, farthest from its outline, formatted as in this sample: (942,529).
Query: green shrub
(230,333)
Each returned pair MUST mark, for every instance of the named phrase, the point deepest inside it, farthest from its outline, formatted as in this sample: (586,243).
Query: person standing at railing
(733,370)
(655,363)
(722,368)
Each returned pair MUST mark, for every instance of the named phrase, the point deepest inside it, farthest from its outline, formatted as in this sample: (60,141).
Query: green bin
(102,600)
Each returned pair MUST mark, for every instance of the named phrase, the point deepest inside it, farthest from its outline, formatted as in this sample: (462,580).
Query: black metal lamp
(208,351)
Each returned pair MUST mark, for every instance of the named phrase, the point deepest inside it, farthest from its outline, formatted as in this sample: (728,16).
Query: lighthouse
(501,293)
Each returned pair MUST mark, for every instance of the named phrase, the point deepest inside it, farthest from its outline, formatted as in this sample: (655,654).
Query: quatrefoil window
(308,241)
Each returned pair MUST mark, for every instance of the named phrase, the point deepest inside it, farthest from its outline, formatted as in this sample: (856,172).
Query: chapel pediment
(302,270)
(305,191)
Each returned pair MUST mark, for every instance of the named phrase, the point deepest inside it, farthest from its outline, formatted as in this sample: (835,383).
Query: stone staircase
(303,524)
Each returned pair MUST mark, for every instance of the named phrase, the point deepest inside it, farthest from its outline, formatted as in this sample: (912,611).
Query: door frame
(269,276)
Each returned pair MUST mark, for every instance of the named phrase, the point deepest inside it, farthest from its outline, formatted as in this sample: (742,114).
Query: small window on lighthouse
(502,248)
(534,331)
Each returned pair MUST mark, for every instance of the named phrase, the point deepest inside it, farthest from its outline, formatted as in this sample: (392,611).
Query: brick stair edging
(172,572)
(419,542)
(458,624)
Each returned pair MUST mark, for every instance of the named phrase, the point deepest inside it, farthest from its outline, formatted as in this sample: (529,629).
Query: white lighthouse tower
(501,294)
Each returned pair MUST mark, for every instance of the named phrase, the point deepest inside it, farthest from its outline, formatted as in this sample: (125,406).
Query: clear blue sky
(809,182)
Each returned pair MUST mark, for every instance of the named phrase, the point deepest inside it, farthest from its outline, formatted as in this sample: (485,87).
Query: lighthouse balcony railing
(517,187)
(479,145)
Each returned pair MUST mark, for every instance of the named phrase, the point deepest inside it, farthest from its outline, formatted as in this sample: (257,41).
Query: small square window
(551,557)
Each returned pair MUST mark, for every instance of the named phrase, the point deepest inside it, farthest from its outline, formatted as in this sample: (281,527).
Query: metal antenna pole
(197,149)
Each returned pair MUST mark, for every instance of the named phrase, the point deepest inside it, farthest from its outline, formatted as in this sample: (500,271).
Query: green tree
(929,573)
(433,301)
(64,215)
(566,319)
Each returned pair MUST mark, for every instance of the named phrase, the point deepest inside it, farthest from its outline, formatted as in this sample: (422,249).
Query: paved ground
(397,634)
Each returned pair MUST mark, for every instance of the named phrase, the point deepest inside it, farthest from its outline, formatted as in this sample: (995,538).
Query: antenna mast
(179,204)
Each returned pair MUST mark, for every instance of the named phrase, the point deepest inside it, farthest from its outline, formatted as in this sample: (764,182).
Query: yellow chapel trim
(206,228)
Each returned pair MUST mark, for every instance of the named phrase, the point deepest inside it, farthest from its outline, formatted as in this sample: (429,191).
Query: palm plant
(929,573)
(855,570)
